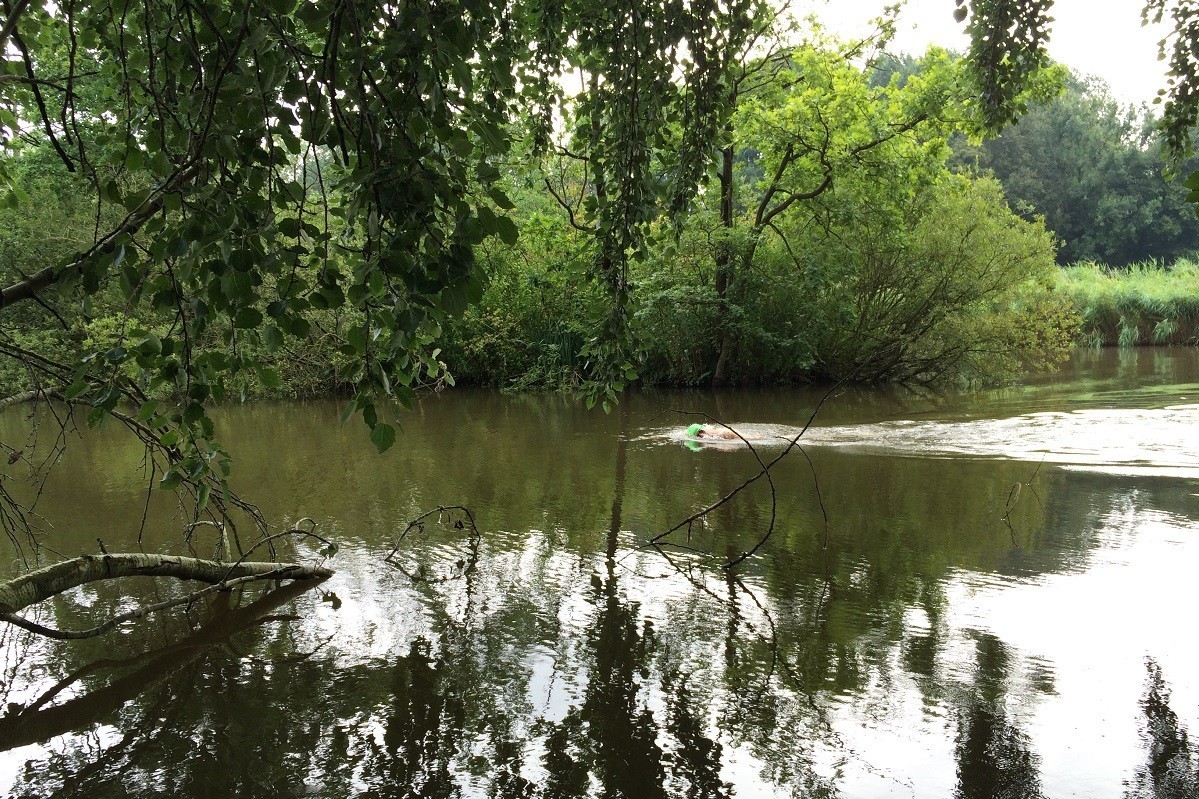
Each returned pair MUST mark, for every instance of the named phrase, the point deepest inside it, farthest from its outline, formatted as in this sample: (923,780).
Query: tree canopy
(1093,170)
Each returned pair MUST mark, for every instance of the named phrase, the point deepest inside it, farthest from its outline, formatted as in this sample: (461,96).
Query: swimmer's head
(694,430)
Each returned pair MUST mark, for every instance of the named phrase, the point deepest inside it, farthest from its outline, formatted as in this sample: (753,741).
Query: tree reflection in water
(147,697)
(613,735)
(1172,768)
(994,757)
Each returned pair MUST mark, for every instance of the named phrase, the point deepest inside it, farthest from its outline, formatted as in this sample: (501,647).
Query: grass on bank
(1143,304)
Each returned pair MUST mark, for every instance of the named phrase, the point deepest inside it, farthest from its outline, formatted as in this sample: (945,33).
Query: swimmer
(704,431)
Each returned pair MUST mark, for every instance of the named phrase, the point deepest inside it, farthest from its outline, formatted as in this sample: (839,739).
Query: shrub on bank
(958,289)
(530,326)
(961,290)
(1144,304)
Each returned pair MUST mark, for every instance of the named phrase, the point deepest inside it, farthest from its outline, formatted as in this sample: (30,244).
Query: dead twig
(1013,498)
(418,523)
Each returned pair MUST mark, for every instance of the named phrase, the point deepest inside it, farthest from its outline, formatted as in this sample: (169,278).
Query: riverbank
(532,337)
(1145,304)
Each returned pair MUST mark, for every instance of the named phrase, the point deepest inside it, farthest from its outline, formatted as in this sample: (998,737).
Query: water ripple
(1154,441)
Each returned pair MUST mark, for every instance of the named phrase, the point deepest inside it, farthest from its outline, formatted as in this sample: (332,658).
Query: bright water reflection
(896,636)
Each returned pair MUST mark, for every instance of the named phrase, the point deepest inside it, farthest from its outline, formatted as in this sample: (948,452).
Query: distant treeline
(1093,170)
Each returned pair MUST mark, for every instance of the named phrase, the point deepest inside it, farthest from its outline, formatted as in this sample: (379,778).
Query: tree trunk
(28,589)
(724,264)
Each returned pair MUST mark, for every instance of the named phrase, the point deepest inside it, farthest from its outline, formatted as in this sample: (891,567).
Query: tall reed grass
(1142,304)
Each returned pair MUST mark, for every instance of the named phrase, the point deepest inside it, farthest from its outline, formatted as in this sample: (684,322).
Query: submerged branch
(35,722)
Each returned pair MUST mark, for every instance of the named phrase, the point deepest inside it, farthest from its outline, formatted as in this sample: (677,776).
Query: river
(978,594)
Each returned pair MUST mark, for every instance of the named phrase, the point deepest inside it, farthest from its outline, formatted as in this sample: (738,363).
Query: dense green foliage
(839,246)
(1000,61)
(1146,303)
(824,255)
(1093,170)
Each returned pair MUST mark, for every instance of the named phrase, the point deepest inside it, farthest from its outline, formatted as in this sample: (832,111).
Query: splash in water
(1158,441)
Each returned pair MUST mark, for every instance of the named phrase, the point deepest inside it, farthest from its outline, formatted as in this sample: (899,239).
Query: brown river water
(912,624)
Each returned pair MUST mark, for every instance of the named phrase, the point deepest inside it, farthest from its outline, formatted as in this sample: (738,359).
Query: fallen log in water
(28,589)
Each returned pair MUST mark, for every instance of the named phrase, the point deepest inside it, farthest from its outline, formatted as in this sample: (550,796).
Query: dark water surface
(896,635)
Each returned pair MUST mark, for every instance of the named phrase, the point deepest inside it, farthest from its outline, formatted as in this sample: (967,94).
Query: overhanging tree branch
(29,287)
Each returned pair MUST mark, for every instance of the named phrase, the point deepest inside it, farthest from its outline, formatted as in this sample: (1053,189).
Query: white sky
(1094,37)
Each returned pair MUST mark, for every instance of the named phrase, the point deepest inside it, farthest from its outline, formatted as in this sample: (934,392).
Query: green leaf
(202,498)
(135,159)
(193,413)
(383,436)
(500,199)
(150,345)
(247,318)
(507,230)
(453,301)
(290,227)
(333,296)
(76,389)
(269,377)
(300,327)
(356,338)
(272,338)
(237,285)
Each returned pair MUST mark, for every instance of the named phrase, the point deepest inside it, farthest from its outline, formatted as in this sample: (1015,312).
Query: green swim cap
(694,429)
